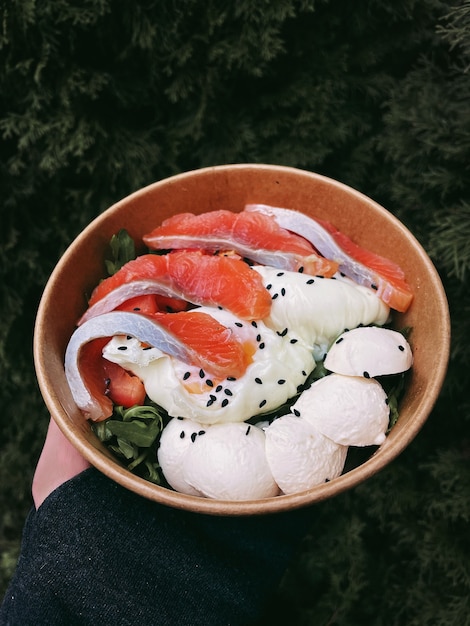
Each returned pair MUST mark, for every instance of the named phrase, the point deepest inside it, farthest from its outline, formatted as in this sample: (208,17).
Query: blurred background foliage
(98,98)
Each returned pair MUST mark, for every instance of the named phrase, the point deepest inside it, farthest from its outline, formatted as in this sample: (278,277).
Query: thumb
(59,461)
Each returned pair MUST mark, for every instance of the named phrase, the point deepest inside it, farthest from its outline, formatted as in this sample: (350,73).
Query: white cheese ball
(369,351)
(299,456)
(229,462)
(350,410)
(318,309)
(175,439)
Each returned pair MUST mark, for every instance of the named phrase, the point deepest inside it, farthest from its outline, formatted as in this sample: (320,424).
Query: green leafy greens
(122,248)
(132,435)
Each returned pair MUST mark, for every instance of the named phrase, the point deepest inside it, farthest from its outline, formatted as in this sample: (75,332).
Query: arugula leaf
(135,431)
(133,435)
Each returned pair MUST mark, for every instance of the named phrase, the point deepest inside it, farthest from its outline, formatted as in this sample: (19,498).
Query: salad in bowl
(252,329)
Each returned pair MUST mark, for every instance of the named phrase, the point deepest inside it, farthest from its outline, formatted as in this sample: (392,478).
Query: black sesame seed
(231,378)
(210,402)
(310,281)
(281,381)
(228,392)
(224,403)
(401,348)
(186,375)
(261,345)
(293,341)
(275,295)
(136,308)
(283,292)
(202,432)
(253,323)
(301,269)
(219,307)
(218,388)
(283,333)
(374,287)
(180,418)
(193,437)
(318,276)
(147,348)
(258,380)
(296,412)
(262,403)
(366,375)
(342,274)
(209,383)
(201,374)
(212,397)
(248,430)
(258,337)
(239,324)
(182,433)
(129,337)
(268,287)
(122,348)
(339,340)
(304,373)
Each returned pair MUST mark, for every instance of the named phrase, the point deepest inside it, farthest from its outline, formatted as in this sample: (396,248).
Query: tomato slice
(123,388)
(153,303)
(109,382)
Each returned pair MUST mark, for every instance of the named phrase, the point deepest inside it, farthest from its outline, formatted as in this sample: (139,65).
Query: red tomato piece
(123,388)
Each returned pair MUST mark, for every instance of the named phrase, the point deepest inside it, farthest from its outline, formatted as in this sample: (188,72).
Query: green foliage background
(98,98)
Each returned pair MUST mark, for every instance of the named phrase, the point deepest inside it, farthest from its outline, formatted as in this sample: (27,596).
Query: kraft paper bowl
(231,187)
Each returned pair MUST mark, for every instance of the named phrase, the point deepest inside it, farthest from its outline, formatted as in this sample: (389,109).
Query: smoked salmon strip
(254,236)
(191,275)
(193,337)
(364,267)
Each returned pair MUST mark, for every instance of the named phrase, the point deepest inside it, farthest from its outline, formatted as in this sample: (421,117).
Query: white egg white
(279,366)
(318,309)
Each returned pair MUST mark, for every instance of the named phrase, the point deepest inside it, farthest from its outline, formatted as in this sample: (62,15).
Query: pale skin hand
(59,461)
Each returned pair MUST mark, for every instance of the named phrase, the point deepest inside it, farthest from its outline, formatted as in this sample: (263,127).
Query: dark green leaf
(122,251)
(139,433)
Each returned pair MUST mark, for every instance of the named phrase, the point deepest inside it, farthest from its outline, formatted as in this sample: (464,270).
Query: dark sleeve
(95,553)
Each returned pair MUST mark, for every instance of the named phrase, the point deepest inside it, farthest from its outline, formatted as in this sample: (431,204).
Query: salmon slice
(193,337)
(193,275)
(254,236)
(364,267)
(92,372)
(210,344)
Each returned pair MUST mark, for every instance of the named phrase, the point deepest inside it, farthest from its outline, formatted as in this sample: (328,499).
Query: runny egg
(280,364)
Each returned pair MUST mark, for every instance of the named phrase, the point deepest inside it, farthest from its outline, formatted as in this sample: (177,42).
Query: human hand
(59,461)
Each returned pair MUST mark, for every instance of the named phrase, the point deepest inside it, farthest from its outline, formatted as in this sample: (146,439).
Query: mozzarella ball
(350,410)
(299,456)
(228,462)
(369,351)
(175,439)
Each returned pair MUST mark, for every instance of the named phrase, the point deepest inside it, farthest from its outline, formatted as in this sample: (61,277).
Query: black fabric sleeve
(97,554)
